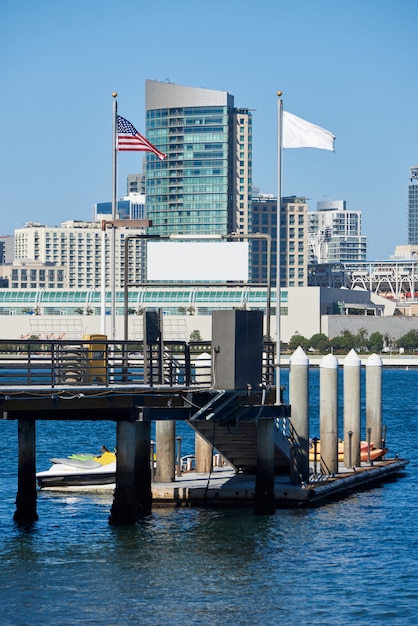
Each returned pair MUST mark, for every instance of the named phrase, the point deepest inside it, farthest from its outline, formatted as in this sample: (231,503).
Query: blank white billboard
(197,261)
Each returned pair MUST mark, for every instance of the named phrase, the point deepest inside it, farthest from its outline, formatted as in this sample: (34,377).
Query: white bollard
(299,402)
(352,410)
(374,399)
(328,414)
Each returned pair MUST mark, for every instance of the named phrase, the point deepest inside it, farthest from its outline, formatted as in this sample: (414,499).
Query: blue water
(353,561)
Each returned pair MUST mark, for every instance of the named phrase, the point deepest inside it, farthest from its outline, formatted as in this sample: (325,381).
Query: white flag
(298,133)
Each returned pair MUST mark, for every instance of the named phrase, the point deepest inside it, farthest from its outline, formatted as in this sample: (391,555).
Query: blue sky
(347,65)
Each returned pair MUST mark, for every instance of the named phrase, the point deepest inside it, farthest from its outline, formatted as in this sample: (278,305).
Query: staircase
(228,422)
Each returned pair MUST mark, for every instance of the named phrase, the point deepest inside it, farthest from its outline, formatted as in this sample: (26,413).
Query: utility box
(237,349)
(152,327)
(96,358)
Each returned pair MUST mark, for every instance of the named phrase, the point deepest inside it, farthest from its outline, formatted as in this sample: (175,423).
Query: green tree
(409,341)
(320,343)
(344,342)
(361,340)
(298,340)
(375,342)
(195,336)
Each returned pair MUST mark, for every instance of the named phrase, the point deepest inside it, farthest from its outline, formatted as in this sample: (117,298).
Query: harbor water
(351,561)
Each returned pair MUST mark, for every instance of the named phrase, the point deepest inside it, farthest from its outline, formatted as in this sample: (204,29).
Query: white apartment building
(335,233)
(76,248)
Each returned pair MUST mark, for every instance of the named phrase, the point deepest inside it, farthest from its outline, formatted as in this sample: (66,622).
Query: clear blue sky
(347,65)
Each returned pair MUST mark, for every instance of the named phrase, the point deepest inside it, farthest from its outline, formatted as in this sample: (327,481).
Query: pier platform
(224,487)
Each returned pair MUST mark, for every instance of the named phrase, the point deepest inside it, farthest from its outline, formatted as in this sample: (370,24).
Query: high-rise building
(6,249)
(335,233)
(293,240)
(131,207)
(204,184)
(413,207)
(136,183)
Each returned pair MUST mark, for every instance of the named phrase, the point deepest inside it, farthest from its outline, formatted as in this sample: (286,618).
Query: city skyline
(346,68)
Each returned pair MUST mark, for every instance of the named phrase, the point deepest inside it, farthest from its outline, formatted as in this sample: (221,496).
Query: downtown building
(335,234)
(203,187)
(69,256)
(413,207)
(294,253)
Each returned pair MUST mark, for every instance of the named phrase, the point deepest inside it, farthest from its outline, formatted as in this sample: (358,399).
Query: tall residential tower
(413,207)
(204,185)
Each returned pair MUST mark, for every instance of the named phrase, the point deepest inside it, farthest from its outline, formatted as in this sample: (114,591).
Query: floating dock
(224,487)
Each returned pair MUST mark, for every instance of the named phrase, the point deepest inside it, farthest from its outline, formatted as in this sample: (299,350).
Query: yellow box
(96,358)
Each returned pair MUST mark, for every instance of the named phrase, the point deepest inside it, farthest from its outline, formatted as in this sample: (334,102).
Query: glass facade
(413,207)
(194,191)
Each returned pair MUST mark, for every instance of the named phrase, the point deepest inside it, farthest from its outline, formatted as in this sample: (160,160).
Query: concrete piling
(352,370)
(203,454)
(299,401)
(374,398)
(329,414)
(124,509)
(26,478)
(143,470)
(165,432)
(132,496)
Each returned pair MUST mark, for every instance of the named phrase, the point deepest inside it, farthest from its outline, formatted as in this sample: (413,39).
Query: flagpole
(278,236)
(103,281)
(112,230)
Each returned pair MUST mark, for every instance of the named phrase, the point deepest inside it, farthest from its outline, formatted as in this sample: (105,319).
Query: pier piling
(328,418)
(203,454)
(352,370)
(26,478)
(374,398)
(165,432)
(299,401)
(264,497)
(132,496)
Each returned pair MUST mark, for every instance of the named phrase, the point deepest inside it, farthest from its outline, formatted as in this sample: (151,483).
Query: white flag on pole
(298,133)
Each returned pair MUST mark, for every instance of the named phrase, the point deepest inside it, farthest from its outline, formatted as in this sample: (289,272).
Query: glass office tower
(413,207)
(204,185)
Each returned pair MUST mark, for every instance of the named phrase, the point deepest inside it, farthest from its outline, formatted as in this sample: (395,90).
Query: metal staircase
(228,422)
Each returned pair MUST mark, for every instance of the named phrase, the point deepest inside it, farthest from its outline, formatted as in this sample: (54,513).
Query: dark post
(26,478)
(143,493)
(264,498)
(123,509)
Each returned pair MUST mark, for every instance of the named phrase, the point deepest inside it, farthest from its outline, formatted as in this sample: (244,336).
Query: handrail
(49,363)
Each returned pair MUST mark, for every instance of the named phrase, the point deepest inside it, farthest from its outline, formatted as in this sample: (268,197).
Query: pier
(225,392)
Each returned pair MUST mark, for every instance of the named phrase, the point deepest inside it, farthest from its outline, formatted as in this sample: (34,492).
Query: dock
(223,487)
(228,395)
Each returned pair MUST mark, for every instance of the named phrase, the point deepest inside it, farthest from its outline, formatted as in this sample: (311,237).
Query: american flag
(130,139)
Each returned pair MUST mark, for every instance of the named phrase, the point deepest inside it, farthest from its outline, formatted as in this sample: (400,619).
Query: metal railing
(86,362)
